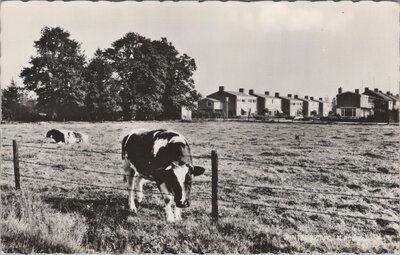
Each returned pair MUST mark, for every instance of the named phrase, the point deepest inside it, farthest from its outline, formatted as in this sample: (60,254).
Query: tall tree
(102,98)
(56,74)
(10,100)
(140,74)
(179,85)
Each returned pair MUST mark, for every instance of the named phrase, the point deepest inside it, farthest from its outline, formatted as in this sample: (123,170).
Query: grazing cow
(66,136)
(164,157)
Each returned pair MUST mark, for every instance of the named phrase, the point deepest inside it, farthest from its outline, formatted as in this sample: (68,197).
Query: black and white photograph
(198,127)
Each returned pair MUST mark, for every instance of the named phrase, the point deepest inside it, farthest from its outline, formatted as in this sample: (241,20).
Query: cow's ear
(198,170)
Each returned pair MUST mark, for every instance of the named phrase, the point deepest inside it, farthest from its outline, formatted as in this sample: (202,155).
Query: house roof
(385,96)
(238,93)
(349,92)
(290,98)
(265,96)
(211,99)
(305,99)
(393,97)
(320,101)
(380,94)
(234,93)
(374,97)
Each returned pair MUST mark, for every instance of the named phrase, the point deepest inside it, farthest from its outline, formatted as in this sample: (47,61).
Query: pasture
(275,170)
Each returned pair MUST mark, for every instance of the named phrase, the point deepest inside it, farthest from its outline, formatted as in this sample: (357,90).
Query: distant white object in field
(67,136)
(186,114)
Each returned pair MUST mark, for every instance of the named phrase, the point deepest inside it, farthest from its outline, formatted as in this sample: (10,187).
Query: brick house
(324,107)
(396,105)
(267,104)
(310,107)
(383,105)
(291,106)
(239,104)
(353,104)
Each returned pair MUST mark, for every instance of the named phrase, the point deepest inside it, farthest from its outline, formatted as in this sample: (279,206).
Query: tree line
(136,78)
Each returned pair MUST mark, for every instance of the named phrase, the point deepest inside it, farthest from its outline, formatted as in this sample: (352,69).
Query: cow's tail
(123,152)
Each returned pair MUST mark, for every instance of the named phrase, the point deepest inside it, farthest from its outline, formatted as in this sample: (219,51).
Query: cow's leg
(139,181)
(131,199)
(130,178)
(168,199)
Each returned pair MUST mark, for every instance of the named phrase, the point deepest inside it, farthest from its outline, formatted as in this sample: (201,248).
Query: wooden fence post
(214,185)
(16,164)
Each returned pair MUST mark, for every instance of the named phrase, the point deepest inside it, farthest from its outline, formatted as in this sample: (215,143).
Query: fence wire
(288,190)
(219,158)
(71,168)
(304,166)
(282,189)
(321,192)
(154,192)
(306,211)
(88,151)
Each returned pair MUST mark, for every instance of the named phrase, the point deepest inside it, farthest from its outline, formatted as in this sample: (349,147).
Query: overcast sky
(300,48)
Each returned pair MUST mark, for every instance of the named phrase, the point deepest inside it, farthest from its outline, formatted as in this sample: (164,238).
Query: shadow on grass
(104,217)
(115,207)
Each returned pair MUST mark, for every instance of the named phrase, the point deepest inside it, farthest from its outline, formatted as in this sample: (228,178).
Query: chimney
(320,99)
(296,96)
(312,98)
(340,90)
(241,90)
(380,91)
(251,91)
(306,97)
(267,93)
(388,93)
(366,89)
(289,95)
(357,91)
(376,90)
(276,94)
(221,88)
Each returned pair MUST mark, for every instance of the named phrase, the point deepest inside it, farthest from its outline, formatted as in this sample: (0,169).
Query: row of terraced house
(240,104)
(371,104)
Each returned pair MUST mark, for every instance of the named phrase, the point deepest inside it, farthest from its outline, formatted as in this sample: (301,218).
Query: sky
(304,48)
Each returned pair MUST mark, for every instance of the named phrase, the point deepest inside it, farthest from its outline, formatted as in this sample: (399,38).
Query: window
(209,104)
(243,100)
(348,112)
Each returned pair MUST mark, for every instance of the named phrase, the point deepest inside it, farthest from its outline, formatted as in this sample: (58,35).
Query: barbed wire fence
(204,196)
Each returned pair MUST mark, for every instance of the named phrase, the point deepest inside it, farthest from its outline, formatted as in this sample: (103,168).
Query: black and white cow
(164,157)
(67,136)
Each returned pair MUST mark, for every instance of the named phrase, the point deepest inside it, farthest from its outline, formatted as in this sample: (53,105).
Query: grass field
(347,159)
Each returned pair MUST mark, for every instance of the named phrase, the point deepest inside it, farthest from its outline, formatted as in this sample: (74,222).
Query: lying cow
(67,136)
(164,157)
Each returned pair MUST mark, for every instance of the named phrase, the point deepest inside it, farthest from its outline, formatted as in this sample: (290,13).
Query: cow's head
(177,179)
